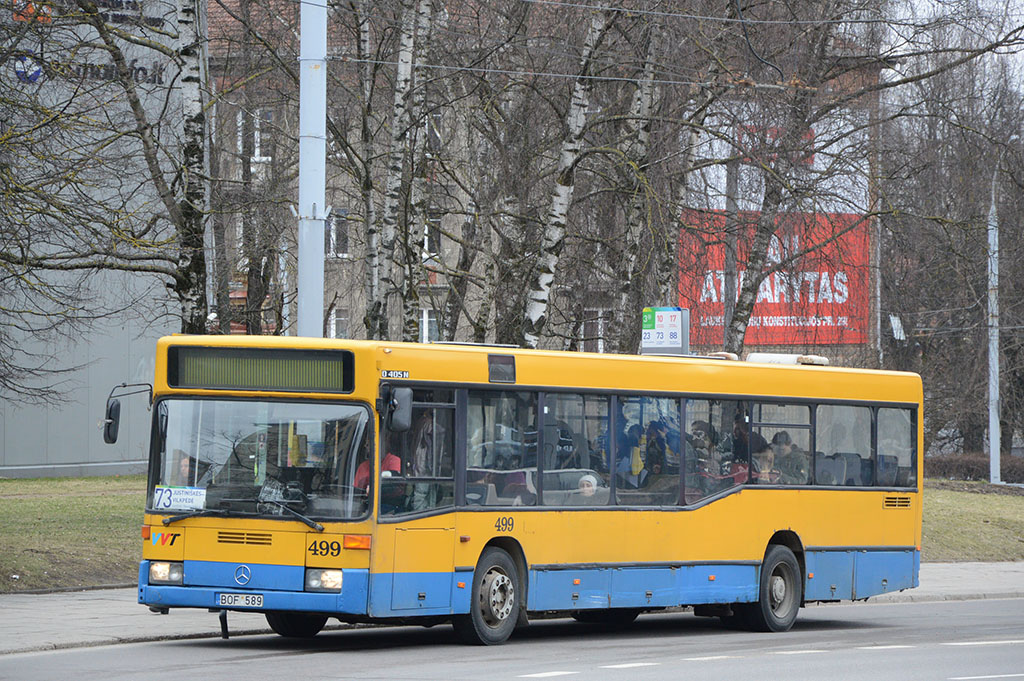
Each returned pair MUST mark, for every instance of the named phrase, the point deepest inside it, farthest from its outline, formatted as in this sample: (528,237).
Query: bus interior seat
(887,469)
(823,474)
(854,468)
(476,493)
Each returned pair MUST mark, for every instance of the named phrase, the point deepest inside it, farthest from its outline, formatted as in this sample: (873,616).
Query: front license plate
(240,600)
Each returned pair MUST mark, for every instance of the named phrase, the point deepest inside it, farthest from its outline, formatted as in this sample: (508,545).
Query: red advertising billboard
(819,297)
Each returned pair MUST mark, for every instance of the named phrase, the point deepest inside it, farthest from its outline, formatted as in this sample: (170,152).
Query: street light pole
(994,428)
(312,210)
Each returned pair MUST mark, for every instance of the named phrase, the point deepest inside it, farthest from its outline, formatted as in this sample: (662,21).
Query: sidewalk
(107,616)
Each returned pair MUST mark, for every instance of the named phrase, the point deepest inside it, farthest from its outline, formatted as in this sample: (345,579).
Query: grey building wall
(63,438)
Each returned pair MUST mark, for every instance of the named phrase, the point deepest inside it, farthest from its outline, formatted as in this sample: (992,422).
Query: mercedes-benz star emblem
(243,574)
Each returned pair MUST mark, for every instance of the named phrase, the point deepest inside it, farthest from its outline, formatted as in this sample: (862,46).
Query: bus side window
(501,447)
(708,455)
(843,441)
(897,456)
(418,473)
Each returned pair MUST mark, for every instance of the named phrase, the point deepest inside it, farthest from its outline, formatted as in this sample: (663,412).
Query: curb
(195,635)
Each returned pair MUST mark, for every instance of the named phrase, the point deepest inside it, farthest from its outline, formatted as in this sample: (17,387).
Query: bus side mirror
(111,421)
(401,410)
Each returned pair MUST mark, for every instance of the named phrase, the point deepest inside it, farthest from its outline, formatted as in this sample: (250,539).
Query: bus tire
(296,624)
(495,601)
(780,592)
(612,617)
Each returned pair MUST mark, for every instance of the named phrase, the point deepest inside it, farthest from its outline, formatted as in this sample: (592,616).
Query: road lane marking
(710,657)
(991,676)
(630,665)
(796,652)
(883,647)
(984,643)
(545,675)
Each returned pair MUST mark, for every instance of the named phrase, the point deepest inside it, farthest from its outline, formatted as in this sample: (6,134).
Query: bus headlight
(166,572)
(323,580)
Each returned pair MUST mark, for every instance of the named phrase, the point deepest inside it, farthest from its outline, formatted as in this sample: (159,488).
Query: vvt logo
(164,538)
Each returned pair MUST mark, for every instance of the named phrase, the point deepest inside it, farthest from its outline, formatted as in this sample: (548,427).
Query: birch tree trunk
(187,213)
(539,292)
(419,195)
(398,152)
(366,151)
(634,149)
(191,281)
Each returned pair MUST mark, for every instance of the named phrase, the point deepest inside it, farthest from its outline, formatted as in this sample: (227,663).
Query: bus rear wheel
(296,625)
(495,601)
(780,592)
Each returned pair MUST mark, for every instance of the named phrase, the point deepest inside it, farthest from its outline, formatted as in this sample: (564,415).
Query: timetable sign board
(665,331)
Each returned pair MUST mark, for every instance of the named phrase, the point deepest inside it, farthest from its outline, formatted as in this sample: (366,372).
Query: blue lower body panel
(830,575)
(642,587)
(859,573)
(280,586)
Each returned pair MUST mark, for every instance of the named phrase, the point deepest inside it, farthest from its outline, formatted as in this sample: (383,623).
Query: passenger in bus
(630,464)
(793,463)
(764,470)
(391,466)
(587,485)
(657,447)
(568,455)
(743,441)
(183,474)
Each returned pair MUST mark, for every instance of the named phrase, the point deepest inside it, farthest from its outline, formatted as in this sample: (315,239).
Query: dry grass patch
(70,532)
(972,521)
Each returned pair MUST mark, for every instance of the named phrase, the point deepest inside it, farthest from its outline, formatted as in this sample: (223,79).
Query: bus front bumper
(351,600)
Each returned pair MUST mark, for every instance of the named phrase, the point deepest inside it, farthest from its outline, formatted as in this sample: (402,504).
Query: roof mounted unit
(784,358)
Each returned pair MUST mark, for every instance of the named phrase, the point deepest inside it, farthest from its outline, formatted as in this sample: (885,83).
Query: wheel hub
(778,591)
(498,595)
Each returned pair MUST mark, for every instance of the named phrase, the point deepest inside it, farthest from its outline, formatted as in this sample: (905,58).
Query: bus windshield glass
(251,457)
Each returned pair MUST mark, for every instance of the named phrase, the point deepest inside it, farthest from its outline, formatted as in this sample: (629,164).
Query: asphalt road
(937,641)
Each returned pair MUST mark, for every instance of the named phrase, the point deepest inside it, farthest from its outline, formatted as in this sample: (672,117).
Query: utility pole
(312,209)
(994,429)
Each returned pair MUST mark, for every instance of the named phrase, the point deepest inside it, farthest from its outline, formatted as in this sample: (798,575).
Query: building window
(428,326)
(262,124)
(336,235)
(595,324)
(432,235)
(338,323)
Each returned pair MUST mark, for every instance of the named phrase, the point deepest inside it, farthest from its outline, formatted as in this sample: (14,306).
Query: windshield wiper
(309,521)
(193,514)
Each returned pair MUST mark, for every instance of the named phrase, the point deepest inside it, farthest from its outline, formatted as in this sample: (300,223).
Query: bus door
(417,488)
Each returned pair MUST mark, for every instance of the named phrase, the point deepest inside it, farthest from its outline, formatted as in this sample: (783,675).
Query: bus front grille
(257,538)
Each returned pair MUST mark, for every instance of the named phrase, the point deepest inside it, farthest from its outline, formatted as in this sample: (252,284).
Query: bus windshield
(261,458)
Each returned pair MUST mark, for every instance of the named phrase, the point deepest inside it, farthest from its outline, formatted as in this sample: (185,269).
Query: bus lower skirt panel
(853,574)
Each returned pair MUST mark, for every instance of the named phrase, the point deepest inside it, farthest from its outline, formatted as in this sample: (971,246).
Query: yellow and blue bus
(312,479)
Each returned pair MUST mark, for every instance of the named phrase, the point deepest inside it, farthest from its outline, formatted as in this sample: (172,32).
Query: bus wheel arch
(780,592)
(791,541)
(497,598)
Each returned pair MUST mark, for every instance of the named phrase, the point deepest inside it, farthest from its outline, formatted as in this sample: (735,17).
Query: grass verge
(70,532)
(80,532)
(972,521)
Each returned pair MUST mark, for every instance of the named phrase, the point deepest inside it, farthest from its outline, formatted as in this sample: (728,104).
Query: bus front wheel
(296,625)
(780,592)
(495,601)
